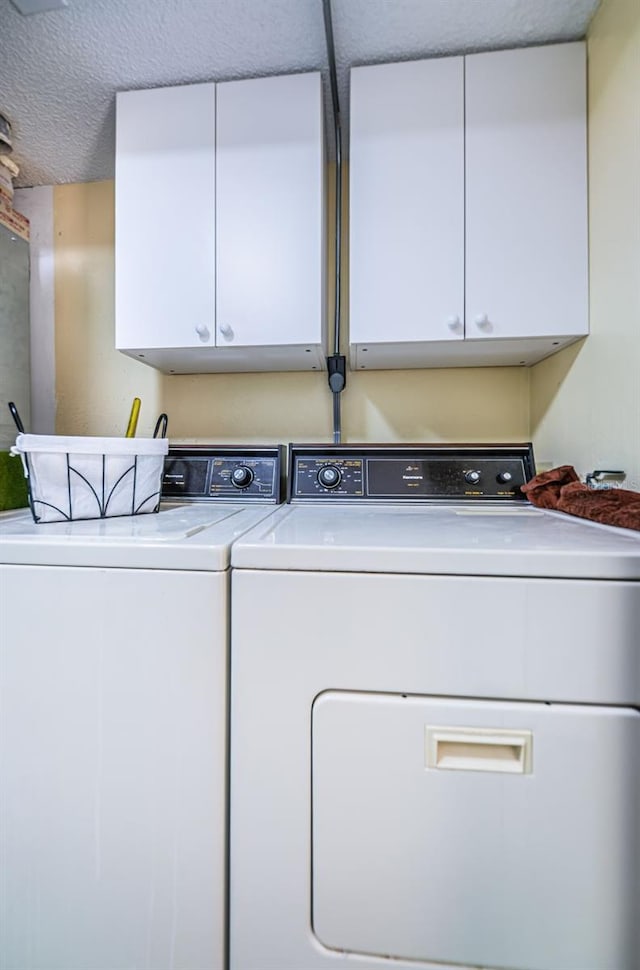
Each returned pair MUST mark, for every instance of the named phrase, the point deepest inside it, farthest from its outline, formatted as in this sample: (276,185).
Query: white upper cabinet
(468,209)
(406,203)
(269,211)
(526,192)
(165,201)
(220,226)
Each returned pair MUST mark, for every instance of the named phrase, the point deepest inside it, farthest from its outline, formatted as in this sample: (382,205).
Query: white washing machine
(435,725)
(113,724)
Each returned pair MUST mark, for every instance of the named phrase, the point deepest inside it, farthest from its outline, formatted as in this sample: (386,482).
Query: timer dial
(242,476)
(329,476)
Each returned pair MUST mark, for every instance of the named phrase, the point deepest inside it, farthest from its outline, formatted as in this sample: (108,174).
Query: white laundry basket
(91,478)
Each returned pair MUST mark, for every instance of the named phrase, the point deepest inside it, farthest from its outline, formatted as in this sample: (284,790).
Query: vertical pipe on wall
(336,366)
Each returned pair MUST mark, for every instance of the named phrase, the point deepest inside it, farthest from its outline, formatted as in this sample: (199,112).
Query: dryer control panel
(399,473)
(210,473)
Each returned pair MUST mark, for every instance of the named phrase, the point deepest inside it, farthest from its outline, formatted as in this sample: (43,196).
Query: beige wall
(585,401)
(581,406)
(95,384)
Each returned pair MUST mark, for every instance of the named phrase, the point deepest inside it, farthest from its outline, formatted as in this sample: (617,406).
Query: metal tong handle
(161,424)
(16,417)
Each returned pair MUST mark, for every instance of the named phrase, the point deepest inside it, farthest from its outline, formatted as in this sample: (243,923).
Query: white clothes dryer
(113,723)
(435,725)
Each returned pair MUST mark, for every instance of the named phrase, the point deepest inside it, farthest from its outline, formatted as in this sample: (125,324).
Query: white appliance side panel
(406,203)
(112,768)
(270,211)
(515,847)
(526,192)
(165,217)
(573,641)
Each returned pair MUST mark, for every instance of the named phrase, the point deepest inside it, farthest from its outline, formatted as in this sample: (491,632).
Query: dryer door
(477,833)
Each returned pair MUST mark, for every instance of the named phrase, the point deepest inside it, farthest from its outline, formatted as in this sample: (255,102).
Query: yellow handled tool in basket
(133,418)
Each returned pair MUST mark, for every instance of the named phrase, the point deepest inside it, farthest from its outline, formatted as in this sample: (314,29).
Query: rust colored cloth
(561,489)
(544,490)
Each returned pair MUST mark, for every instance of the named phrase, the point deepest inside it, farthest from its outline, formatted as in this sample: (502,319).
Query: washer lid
(180,536)
(454,539)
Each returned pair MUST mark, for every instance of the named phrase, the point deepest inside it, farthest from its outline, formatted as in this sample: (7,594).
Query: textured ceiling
(59,71)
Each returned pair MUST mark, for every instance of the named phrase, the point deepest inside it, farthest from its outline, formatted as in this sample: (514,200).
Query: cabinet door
(269,212)
(526,192)
(165,204)
(407,202)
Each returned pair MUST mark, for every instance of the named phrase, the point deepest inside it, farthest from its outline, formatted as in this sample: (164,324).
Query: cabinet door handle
(455,324)
(203,332)
(483,322)
(226,331)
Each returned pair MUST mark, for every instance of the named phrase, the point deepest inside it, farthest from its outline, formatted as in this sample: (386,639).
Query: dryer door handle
(478,749)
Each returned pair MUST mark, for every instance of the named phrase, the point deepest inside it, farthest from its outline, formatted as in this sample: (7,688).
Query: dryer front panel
(437,825)
(541,656)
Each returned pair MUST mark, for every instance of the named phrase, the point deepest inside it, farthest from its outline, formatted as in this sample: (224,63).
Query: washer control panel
(398,473)
(210,473)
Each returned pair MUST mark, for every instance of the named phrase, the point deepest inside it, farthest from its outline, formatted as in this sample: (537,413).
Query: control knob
(472,477)
(504,477)
(241,476)
(329,476)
